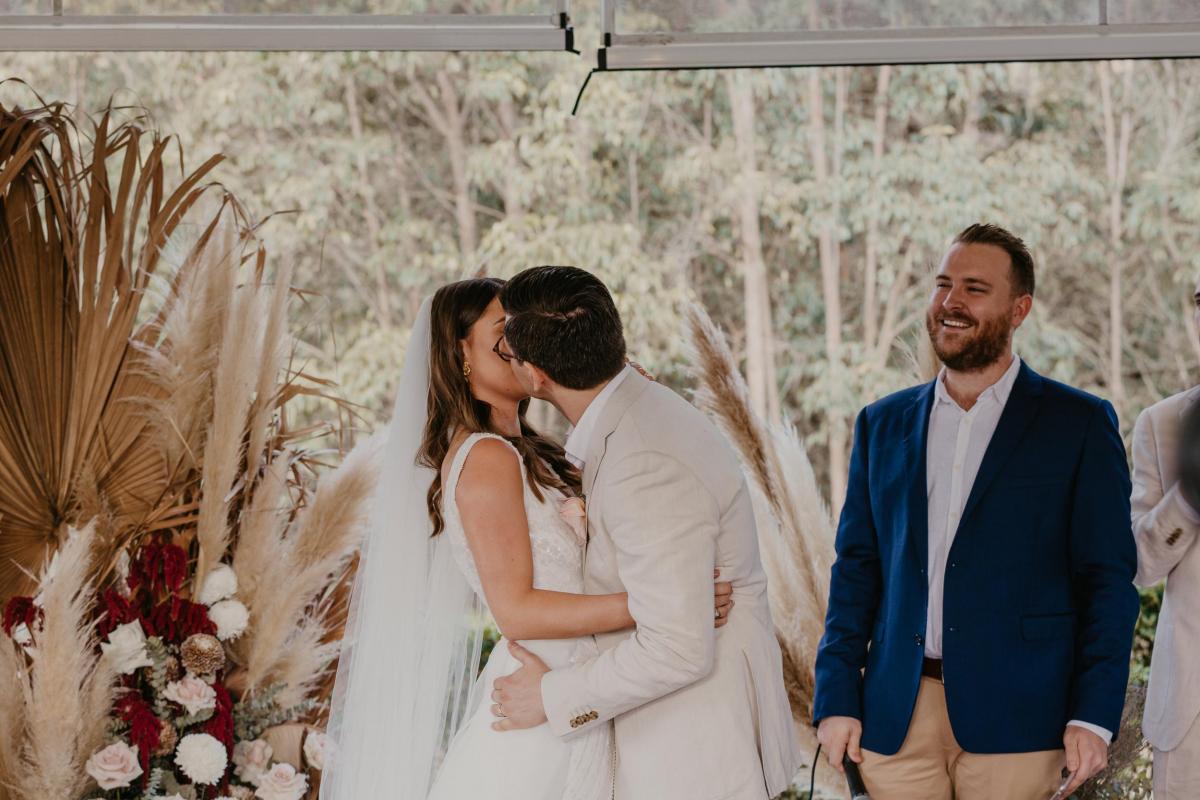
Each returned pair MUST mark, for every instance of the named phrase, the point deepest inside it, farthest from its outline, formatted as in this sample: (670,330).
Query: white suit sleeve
(664,524)
(1165,526)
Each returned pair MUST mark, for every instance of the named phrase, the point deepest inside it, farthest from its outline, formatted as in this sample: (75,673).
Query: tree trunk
(1116,156)
(829,253)
(760,340)
(871,267)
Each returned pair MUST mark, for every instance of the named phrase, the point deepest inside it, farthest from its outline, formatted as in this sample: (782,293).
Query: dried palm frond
(80,236)
(315,550)
(65,690)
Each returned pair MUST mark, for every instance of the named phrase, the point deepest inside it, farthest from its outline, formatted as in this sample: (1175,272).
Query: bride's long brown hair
(452,407)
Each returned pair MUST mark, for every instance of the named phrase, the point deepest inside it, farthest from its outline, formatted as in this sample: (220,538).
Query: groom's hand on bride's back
(517,698)
(839,736)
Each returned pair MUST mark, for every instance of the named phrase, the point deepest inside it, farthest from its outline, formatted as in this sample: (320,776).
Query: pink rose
(251,759)
(282,782)
(575,513)
(192,693)
(114,766)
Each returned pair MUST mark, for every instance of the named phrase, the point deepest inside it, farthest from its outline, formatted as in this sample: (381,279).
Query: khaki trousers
(931,766)
(1176,773)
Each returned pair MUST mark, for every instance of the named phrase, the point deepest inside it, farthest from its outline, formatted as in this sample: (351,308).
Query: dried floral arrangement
(179,640)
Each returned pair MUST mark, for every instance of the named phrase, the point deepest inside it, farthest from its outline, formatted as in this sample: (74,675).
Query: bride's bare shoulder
(488,457)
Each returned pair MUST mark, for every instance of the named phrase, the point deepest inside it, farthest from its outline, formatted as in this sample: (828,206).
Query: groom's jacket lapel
(610,416)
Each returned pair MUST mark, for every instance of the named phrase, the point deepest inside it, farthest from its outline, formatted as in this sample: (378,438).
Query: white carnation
(315,746)
(230,617)
(22,635)
(221,582)
(282,782)
(192,693)
(126,648)
(201,757)
(251,759)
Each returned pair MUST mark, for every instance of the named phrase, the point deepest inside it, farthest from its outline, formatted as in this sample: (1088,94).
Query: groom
(700,714)
(981,607)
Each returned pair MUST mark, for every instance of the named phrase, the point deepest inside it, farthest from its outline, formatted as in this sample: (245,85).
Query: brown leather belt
(932,668)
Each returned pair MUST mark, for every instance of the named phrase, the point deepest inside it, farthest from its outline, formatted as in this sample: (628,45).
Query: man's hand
(838,736)
(517,698)
(1087,754)
(722,600)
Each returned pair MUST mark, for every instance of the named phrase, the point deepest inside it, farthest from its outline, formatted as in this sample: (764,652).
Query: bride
(474,513)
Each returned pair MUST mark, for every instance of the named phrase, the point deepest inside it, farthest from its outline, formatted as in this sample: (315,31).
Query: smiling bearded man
(981,607)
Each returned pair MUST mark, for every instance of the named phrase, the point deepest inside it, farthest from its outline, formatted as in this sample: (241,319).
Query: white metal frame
(894,46)
(57,31)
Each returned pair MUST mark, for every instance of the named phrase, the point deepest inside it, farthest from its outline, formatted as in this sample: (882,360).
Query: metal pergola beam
(287,32)
(899,46)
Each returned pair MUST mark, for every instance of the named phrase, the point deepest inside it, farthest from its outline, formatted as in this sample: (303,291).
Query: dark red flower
(175,619)
(220,724)
(145,729)
(20,610)
(160,567)
(116,610)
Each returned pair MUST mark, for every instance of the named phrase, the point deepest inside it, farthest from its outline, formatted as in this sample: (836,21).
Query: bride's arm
(490,498)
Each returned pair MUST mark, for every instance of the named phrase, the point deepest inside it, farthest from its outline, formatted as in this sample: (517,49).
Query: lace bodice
(557,547)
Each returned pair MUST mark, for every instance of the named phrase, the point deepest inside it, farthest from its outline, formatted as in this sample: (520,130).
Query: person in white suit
(1166,524)
(700,714)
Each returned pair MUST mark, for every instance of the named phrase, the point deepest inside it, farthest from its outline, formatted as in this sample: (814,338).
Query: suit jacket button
(920,640)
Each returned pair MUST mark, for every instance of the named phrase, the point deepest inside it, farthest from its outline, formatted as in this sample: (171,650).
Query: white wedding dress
(532,764)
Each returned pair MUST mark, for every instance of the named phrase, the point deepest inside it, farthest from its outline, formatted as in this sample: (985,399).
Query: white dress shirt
(581,435)
(955,447)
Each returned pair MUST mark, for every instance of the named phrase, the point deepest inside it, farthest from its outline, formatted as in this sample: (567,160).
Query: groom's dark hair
(564,321)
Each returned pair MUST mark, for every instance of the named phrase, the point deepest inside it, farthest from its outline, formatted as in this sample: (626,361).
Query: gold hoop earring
(466,369)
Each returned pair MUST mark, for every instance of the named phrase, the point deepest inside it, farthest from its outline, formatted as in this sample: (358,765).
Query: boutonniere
(574,512)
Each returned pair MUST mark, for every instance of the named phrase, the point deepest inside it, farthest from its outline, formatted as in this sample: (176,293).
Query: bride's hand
(722,600)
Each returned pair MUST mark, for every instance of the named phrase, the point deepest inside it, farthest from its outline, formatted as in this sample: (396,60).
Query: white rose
(251,759)
(282,782)
(114,766)
(221,582)
(230,617)
(192,693)
(22,635)
(201,757)
(126,648)
(315,746)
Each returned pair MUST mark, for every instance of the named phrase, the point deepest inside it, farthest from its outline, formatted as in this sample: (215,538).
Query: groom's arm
(664,524)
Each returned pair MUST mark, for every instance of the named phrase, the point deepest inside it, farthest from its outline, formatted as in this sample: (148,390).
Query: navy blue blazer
(1039,597)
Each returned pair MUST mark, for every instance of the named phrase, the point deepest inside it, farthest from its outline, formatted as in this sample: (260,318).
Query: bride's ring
(500,711)
(717,614)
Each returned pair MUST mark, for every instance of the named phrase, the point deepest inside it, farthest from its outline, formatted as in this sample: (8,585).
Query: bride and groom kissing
(601,556)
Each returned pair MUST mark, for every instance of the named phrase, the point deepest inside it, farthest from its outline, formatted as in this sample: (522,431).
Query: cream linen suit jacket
(1166,536)
(700,714)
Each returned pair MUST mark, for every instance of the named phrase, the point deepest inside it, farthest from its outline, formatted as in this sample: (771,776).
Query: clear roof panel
(269,7)
(1147,11)
(762,16)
